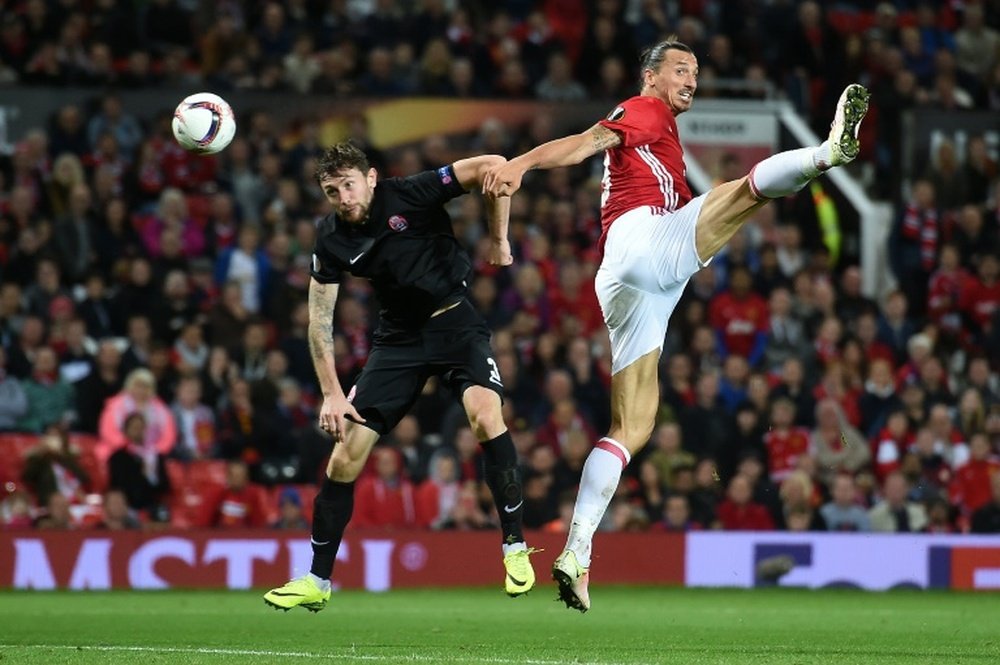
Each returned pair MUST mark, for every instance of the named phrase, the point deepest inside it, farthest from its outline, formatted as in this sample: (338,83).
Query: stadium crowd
(152,303)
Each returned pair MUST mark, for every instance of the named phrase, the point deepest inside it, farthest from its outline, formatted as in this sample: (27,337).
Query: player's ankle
(822,157)
(324,585)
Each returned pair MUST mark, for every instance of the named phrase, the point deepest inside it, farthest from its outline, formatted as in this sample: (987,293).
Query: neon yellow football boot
(300,592)
(520,577)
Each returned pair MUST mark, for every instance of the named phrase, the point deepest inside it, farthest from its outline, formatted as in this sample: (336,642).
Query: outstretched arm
(471,173)
(567,151)
(335,409)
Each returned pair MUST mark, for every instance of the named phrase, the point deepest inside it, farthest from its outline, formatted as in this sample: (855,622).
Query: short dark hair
(652,57)
(339,158)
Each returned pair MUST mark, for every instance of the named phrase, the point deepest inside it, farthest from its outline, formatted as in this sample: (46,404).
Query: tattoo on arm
(604,138)
(322,300)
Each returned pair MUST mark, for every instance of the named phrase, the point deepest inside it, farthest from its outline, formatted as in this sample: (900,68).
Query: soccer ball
(204,123)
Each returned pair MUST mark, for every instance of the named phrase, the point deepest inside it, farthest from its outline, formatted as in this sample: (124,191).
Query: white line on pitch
(347,655)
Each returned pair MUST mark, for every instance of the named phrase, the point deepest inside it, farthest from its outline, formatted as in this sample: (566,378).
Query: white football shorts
(649,256)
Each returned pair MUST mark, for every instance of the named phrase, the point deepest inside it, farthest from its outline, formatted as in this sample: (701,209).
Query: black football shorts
(454,345)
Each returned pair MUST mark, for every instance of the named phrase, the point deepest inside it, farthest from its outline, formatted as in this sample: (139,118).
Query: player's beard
(357,214)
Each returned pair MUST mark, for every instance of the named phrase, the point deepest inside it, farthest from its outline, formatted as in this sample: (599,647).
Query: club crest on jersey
(445,174)
(398,223)
(617,114)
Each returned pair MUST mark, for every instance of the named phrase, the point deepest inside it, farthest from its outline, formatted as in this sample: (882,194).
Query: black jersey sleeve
(324,269)
(429,187)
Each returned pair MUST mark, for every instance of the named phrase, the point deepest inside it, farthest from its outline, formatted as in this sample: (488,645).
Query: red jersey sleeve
(637,121)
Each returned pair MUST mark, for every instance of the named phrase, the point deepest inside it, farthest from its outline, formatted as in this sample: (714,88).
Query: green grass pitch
(626,625)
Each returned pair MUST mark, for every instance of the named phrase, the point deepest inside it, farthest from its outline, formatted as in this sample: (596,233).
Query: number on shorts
(494,372)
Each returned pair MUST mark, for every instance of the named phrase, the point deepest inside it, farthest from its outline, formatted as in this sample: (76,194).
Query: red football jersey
(739,320)
(784,450)
(981,300)
(647,168)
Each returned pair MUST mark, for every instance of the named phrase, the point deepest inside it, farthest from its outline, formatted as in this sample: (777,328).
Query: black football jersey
(406,248)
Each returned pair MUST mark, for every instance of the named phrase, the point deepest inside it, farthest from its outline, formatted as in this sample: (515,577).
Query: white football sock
(601,473)
(324,585)
(514,547)
(787,172)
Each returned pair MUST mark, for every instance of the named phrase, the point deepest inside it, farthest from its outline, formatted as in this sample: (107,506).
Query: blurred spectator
(290,514)
(172,215)
(138,470)
(137,396)
(667,454)
(740,318)
(738,512)
(914,244)
(895,513)
(51,400)
(195,422)
(970,486)
(52,467)
(973,238)
(987,518)
(437,498)
(46,288)
(13,400)
(15,511)
(843,512)
(101,383)
(248,266)
(241,503)
(558,84)
(385,499)
(784,443)
(785,332)
(977,46)
(113,119)
(836,445)
(706,424)
(56,514)
(22,353)
(676,516)
(115,513)
(407,439)
(879,397)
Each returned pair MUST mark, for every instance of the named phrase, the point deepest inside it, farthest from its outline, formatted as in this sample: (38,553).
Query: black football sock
(331,512)
(504,480)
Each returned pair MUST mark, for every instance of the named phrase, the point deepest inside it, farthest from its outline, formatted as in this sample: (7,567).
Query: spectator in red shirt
(947,287)
(890,443)
(738,512)
(385,499)
(438,496)
(948,441)
(866,330)
(834,385)
(982,298)
(575,296)
(563,421)
(785,443)
(240,505)
(970,488)
(740,318)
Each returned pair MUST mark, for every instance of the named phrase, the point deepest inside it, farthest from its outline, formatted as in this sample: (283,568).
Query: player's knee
(342,467)
(486,422)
